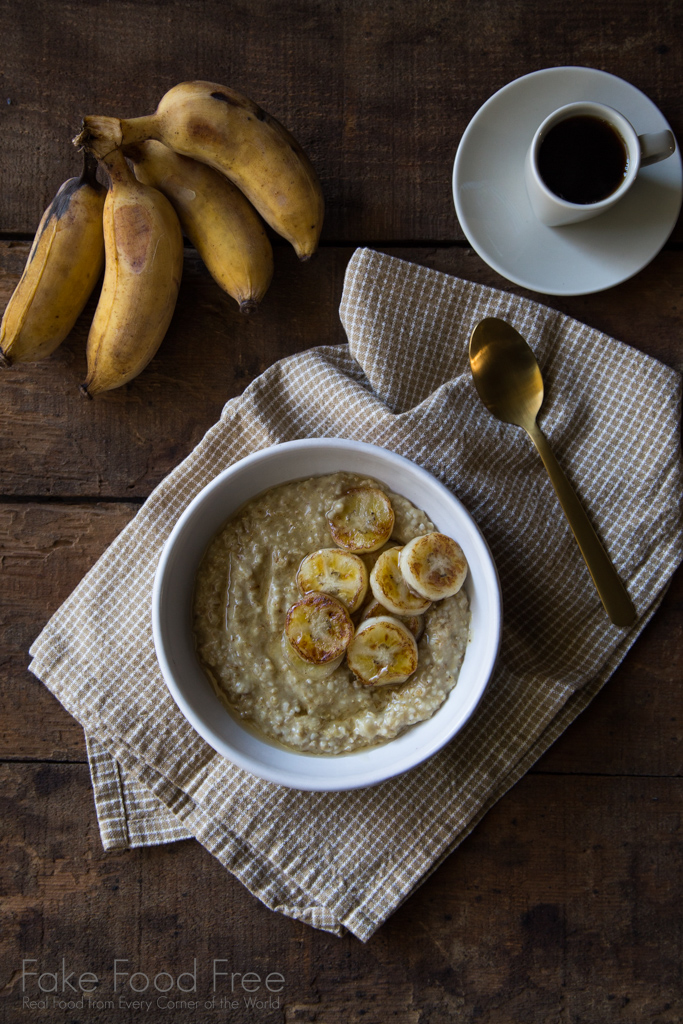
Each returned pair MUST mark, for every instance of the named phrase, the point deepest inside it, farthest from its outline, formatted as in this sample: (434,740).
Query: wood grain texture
(44,552)
(123,443)
(378,94)
(534,918)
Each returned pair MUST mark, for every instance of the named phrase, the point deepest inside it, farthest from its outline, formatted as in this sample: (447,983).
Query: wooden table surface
(564,904)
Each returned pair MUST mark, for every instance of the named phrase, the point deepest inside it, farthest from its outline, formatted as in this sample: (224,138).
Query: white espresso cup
(581,151)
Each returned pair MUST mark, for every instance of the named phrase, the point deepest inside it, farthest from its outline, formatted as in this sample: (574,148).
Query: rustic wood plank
(52,442)
(379,95)
(635,724)
(557,908)
(44,552)
(556,904)
(634,727)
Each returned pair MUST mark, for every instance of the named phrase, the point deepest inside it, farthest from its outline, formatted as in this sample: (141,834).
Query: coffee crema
(583,159)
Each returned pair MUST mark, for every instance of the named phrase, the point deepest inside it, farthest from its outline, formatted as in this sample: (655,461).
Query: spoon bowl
(509,383)
(506,375)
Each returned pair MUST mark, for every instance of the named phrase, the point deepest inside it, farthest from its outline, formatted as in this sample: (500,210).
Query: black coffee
(583,159)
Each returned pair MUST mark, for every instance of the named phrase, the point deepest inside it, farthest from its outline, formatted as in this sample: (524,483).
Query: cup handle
(655,147)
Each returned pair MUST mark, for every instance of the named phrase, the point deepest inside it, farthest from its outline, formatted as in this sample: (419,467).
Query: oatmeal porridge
(245,585)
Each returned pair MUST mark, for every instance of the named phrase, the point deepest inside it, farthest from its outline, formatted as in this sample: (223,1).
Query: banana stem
(116,166)
(99,135)
(139,129)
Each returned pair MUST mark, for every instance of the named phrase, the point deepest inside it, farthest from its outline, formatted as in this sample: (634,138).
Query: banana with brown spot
(63,267)
(219,221)
(229,132)
(143,266)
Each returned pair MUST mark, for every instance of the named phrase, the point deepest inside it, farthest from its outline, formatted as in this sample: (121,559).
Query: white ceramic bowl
(174,643)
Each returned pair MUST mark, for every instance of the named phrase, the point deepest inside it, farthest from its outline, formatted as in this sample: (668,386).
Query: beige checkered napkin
(347,860)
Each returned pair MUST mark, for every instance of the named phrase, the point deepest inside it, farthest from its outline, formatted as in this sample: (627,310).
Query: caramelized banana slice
(391,590)
(337,573)
(415,623)
(433,565)
(304,668)
(319,628)
(383,651)
(361,520)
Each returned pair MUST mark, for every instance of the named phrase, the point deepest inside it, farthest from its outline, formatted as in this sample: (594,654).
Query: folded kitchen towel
(347,860)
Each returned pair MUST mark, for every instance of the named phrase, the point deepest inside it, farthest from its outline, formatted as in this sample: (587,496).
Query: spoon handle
(612,592)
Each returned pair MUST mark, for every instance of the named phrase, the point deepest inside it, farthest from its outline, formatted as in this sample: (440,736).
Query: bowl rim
(297,777)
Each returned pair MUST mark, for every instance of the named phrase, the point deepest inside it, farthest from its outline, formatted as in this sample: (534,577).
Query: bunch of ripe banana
(206,161)
(404,581)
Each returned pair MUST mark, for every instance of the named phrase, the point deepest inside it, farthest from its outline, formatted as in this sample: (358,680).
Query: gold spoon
(509,382)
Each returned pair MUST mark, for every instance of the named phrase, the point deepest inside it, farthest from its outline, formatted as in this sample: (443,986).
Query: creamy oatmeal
(245,584)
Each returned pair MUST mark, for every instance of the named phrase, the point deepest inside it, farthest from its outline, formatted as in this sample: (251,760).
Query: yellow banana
(143,265)
(231,133)
(222,225)
(62,269)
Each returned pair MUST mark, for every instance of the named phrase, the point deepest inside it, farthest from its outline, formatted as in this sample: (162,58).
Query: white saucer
(493,207)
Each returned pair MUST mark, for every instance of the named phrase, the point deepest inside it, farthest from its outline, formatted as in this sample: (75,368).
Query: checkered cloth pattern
(347,860)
